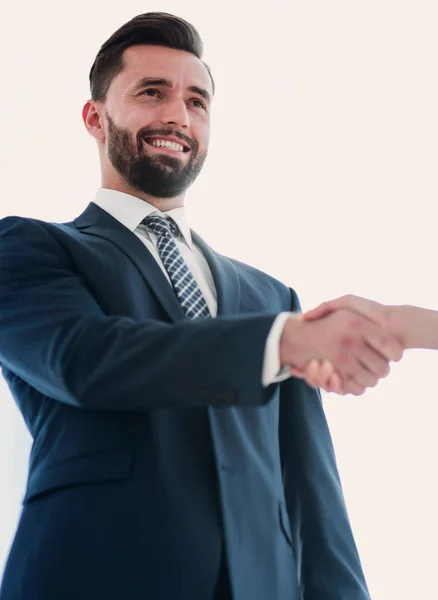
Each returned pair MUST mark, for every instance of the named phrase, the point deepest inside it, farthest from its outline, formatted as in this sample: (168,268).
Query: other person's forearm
(415,327)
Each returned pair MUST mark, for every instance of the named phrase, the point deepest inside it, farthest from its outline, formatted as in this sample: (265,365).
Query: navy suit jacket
(156,448)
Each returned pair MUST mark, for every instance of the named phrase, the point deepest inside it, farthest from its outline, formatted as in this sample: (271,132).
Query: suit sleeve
(55,336)
(325,550)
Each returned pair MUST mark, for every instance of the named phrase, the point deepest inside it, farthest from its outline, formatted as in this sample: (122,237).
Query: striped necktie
(183,282)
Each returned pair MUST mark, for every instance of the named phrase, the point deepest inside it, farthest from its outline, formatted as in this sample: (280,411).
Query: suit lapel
(95,221)
(224,276)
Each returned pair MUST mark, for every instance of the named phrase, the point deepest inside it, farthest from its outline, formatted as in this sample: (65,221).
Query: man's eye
(150,92)
(199,103)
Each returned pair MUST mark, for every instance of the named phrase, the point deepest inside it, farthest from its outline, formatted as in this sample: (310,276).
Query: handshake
(346,345)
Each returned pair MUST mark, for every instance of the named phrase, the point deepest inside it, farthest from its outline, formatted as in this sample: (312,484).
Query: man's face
(158,120)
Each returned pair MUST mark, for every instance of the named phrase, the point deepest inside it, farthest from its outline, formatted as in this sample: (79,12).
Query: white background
(322,172)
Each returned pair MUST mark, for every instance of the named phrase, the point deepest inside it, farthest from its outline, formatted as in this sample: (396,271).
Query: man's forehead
(160,62)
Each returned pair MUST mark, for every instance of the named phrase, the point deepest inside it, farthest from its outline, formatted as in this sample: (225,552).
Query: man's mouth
(166,144)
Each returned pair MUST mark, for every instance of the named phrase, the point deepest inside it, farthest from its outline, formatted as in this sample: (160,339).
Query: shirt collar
(130,211)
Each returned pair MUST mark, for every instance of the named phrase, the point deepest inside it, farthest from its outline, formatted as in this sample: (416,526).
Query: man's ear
(92,116)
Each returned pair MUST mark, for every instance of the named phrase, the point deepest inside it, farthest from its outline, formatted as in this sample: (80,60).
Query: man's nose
(175,112)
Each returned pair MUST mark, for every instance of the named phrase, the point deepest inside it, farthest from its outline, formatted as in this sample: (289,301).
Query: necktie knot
(161,225)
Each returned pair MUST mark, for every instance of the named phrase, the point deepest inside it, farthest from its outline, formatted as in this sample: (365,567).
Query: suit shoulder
(15,225)
(250,270)
(19,225)
(255,274)
(25,240)
(10,221)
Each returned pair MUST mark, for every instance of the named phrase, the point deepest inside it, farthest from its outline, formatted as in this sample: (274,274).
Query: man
(412,326)
(174,457)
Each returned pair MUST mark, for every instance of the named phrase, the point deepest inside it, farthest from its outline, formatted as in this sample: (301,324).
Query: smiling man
(174,456)
(154,160)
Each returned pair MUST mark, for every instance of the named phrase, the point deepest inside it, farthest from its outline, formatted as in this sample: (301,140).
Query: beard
(160,175)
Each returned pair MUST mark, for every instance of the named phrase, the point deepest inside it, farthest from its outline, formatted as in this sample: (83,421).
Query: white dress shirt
(130,212)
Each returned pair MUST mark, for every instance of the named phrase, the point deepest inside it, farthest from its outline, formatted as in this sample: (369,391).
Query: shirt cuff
(273,372)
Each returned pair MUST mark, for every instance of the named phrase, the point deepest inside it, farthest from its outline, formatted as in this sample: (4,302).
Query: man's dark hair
(153,28)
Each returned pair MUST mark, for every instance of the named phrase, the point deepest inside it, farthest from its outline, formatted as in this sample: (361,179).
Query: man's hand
(356,348)
(323,373)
